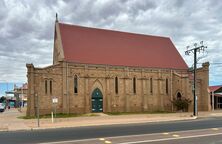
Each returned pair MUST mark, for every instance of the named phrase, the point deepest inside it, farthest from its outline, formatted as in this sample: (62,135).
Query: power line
(211,63)
(216,63)
(194,50)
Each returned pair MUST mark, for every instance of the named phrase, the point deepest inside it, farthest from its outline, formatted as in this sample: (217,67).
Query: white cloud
(27,27)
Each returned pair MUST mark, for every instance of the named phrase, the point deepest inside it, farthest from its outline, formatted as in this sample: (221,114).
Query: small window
(134,85)
(116,85)
(167,86)
(179,96)
(151,85)
(75,84)
(46,86)
(50,86)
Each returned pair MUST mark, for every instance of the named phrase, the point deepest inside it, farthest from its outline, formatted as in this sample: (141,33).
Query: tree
(181,103)
(2,99)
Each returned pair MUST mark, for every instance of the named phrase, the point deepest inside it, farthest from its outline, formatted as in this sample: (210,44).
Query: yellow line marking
(215,129)
(168,139)
(108,142)
(165,133)
(102,139)
(147,141)
(176,135)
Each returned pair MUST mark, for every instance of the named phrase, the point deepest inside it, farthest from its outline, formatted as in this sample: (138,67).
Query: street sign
(54,100)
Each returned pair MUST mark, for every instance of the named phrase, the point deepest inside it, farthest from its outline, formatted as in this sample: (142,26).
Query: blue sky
(27,28)
(7,87)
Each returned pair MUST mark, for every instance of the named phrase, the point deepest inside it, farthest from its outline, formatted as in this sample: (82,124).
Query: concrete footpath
(9,120)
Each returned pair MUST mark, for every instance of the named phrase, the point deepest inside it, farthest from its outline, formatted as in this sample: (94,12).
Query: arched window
(167,86)
(134,85)
(179,96)
(151,85)
(46,86)
(75,84)
(50,86)
(116,85)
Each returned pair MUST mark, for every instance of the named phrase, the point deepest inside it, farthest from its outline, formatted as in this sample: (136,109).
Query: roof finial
(56,17)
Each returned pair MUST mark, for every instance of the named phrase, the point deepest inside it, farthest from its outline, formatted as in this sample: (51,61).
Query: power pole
(194,50)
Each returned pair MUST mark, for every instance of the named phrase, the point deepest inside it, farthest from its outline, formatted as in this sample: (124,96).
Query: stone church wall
(90,77)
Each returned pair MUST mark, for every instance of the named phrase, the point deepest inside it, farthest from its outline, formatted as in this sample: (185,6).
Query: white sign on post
(54,100)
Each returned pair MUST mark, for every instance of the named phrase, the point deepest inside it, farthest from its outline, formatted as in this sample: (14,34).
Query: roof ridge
(111,30)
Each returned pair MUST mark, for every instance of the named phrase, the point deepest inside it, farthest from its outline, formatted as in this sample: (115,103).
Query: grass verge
(60,115)
(129,113)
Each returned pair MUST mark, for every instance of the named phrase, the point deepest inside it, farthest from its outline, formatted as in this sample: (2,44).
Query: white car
(2,107)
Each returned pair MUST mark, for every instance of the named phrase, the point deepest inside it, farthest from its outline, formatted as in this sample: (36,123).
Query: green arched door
(97,101)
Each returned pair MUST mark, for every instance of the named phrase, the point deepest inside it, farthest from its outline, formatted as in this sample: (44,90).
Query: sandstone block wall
(90,77)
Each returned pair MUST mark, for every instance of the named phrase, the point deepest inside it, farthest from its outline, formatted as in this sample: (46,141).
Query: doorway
(97,101)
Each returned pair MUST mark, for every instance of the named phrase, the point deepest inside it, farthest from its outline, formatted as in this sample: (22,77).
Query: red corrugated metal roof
(99,46)
(214,88)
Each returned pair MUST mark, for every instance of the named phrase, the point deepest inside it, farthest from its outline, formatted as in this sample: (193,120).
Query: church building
(99,70)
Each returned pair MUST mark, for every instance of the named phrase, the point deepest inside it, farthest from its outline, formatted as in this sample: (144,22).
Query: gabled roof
(215,88)
(108,47)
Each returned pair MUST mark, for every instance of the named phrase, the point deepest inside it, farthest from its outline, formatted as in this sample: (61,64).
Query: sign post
(37,98)
(54,102)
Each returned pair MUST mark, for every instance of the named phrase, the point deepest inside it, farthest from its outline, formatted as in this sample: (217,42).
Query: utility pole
(194,50)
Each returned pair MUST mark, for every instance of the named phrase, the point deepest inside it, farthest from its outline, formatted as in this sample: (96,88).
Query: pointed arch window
(179,96)
(151,85)
(50,86)
(134,85)
(75,84)
(46,86)
(116,85)
(167,86)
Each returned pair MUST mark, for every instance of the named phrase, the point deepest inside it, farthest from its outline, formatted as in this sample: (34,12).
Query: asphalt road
(212,139)
(70,134)
(203,136)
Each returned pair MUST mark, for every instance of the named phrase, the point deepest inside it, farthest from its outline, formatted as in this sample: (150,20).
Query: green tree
(181,103)
(2,99)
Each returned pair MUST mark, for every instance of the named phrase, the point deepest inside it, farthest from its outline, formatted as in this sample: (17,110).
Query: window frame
(50,86)
(167,86)
(134,85)
(75,82)
(46,86)
(116,85)
(151,85)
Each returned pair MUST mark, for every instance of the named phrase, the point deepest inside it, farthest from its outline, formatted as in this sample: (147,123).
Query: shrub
(181,103)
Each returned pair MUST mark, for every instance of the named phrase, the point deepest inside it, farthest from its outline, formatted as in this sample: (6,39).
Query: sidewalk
(10,122)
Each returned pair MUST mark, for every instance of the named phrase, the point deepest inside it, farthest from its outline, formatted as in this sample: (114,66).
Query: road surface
(206,129)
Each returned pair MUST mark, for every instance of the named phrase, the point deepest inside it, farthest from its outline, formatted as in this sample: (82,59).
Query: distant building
(98,70)
(21,94)
(18,96)
(216,97)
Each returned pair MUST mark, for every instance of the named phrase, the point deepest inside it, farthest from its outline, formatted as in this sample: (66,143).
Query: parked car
(2,107)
